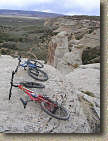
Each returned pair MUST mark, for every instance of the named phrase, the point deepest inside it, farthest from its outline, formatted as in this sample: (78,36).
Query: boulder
(86,81)
(86,78)
(57,48)
(91,40)
(78,92)
(70,61)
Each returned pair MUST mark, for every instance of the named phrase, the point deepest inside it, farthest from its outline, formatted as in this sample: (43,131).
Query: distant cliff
(28,13)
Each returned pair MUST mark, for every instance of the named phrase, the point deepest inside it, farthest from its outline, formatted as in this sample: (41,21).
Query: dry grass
(88,93)
(91,115)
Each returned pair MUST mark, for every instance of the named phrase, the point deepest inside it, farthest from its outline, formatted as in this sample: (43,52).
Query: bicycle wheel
(57,111)
(37,63)
(38,74)
(32,84)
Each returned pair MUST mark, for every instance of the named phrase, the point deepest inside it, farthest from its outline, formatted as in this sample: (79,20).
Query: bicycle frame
(29,64)
(30,93)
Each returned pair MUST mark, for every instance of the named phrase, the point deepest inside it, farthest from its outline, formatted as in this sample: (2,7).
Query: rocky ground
(78,90)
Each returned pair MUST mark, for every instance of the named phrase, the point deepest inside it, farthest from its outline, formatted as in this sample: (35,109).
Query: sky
(66,7)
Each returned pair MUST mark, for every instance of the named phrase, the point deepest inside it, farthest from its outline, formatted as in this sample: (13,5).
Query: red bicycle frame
(38,98)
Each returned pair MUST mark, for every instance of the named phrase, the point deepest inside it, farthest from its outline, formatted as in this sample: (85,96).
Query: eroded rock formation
(73,38)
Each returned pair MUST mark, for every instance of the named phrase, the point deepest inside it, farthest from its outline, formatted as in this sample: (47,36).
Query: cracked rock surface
(78,91)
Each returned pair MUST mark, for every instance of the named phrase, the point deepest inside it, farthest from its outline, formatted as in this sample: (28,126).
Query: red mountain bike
(52,108)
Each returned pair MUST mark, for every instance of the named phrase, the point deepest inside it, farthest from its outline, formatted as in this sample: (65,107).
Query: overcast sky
(68,7)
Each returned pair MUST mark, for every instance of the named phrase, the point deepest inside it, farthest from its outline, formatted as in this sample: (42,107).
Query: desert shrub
(88,93)
(89,54)
(1,41)
(41,53)
(9,45)
(21,39)
(7,37)
(90,30)
(4,52)
(4,37)
(79,36)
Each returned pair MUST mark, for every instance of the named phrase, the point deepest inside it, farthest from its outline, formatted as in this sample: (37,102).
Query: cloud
(81,7)
(87,5)
(21,3)
(45,10)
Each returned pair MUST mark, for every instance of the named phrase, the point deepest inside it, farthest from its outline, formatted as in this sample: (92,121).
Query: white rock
(15,119)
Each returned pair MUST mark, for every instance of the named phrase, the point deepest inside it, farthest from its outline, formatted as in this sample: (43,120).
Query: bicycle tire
(37,63)
(32,84)
(52,113)
(36,73)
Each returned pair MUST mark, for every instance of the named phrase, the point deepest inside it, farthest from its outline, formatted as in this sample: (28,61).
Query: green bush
(90,54)
(10,45)
(4,52)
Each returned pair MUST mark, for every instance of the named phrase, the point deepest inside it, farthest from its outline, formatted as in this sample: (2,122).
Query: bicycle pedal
(23,102)
(25,67)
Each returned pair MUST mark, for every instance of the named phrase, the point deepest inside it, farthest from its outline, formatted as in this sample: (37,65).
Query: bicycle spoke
(57,112)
